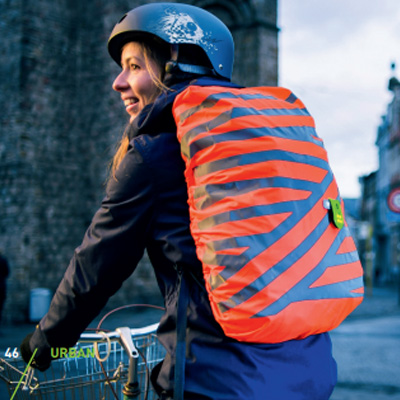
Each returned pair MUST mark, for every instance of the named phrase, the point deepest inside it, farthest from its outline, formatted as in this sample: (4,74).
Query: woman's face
(134,82)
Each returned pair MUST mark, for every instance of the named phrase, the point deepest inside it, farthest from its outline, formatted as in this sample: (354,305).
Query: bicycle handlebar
(140,344)
(93,337)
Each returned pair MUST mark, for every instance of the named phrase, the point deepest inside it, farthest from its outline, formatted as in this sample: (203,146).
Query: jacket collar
(157,117)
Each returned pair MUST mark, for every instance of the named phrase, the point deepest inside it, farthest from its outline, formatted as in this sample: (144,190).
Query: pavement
(366,346)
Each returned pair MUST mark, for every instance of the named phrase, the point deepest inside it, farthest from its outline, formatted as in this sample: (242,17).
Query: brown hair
(158,54)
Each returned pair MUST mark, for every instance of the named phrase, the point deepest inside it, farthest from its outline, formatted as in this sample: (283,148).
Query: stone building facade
(59,123)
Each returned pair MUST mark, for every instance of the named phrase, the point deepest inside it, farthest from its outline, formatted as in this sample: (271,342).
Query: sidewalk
(367,350)
(382,301)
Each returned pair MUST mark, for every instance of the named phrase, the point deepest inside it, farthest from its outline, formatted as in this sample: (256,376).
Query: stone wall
(60,120)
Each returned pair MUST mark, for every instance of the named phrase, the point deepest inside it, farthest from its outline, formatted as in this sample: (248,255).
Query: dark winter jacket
(146,208)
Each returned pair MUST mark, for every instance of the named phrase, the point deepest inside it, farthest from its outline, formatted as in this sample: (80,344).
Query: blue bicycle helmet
(178,24)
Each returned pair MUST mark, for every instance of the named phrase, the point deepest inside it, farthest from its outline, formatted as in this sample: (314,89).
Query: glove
(42,359)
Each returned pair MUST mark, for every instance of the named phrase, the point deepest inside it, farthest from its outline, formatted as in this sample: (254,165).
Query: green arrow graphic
(22,377)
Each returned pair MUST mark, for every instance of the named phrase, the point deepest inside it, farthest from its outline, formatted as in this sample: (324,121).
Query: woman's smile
(135,82)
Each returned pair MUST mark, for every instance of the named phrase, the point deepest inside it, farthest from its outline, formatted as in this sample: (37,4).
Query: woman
(162,48)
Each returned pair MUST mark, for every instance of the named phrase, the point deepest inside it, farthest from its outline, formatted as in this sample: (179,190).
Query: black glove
(42,359)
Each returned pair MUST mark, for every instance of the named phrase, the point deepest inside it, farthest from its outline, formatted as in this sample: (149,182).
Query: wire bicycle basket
(79,375)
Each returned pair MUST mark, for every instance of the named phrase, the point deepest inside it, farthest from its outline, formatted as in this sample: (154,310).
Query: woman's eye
(134,67)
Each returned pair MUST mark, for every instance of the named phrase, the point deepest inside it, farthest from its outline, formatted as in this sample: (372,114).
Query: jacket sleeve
(112,246)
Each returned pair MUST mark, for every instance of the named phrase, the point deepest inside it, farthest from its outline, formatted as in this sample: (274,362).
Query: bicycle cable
(98,329)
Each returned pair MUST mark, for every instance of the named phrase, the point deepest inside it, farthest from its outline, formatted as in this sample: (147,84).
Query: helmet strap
(173,66)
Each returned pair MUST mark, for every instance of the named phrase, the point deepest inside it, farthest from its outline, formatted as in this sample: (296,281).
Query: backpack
(266,216)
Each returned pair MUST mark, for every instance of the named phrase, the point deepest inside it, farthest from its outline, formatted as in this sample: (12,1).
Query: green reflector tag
(337,213)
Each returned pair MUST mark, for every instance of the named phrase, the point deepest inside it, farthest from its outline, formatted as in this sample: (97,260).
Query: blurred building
(381,196)
(59,122)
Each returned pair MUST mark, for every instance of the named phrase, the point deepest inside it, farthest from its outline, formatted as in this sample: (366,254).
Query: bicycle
(104,365)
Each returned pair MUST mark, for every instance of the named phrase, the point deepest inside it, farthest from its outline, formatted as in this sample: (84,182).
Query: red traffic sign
(393,200)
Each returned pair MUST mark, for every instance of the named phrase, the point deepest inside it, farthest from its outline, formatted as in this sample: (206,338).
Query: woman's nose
(120,83)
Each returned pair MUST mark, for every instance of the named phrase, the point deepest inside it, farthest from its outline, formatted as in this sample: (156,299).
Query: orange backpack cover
(278,259)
